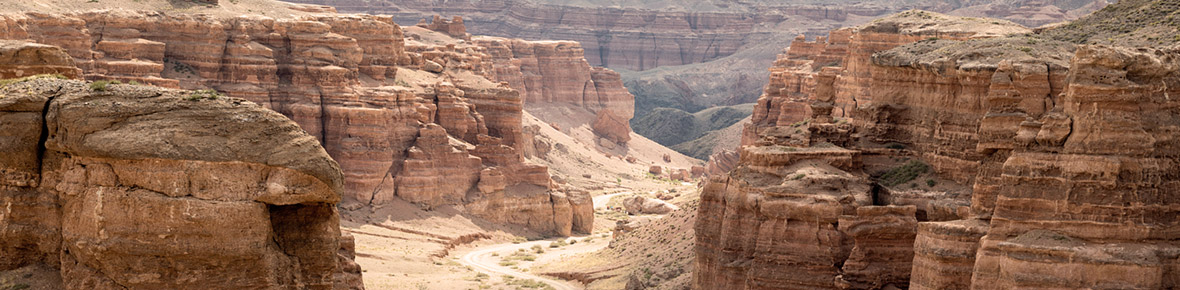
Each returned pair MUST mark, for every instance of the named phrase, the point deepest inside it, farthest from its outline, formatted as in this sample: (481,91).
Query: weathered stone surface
(22,59)
(337,76)
(1062,148)
(131,186)
(558,85)
(642,205)
(721,163)
(453,27)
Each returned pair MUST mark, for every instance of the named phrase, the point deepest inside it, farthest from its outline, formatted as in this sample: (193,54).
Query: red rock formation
(721,162)
(558,85)
(1056,157)
(140,180)
(22,59)
(1083,196)
(793,76)
(641,38)
(453,27)
(337,76)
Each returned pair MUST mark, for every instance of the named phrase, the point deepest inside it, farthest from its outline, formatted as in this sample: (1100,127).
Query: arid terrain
(682,57)
(257,144)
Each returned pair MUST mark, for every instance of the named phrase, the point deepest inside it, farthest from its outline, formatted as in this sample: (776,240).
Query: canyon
(682,57)
(377,116)
(432,124)
(262,144)
(928,151)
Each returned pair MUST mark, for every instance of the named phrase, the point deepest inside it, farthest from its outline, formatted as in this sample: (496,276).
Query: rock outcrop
(642,205)
(1041,161)
(121,186)
(559,86)
(23,59)
(847,52)
(641,36)
(426,136)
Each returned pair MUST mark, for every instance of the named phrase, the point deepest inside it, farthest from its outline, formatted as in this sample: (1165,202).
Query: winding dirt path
(601,200)
(482,260)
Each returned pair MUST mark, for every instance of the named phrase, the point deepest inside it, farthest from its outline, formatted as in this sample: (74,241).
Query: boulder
(641,205)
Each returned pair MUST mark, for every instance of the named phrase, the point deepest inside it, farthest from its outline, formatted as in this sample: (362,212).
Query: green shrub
(100,86)
(930,182)
(904,173)
(197,95)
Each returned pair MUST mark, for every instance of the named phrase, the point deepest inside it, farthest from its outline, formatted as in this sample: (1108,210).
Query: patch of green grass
(101,86)
(904,173)
(799,176)
(197,95)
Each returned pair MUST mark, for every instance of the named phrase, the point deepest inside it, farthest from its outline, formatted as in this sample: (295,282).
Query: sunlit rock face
(1062,152)
(426,137)
(123,186)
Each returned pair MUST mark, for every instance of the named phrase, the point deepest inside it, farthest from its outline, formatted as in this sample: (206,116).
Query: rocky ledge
(426,118)
(962,162)
(122,186)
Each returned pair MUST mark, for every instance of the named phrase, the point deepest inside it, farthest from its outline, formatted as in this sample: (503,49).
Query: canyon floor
(401,246)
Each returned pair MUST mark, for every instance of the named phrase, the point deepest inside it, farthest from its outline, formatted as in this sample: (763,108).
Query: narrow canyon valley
(591,144)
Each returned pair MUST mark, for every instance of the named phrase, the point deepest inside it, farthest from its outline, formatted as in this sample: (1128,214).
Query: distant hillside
(670,126)
(1126,23)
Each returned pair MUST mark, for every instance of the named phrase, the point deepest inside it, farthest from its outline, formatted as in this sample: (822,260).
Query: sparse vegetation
(6,82)
(526,283)
(930,182)
(180,67)
(557,244)
(904,173)
(101,86)
(799,176)
(198,95)
(895,145)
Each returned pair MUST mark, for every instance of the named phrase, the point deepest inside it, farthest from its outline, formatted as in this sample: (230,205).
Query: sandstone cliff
(412,119)
(122,186)
(559,86)
(1031,151)
(708,52)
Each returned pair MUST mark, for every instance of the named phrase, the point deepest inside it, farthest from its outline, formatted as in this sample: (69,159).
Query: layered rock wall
(850,50)
(1053,157)
(337,77)
(125,186)
(558,84)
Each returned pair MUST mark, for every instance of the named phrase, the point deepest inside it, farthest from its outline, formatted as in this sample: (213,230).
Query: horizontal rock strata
(1048,162)
(123,186)
(426,137)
